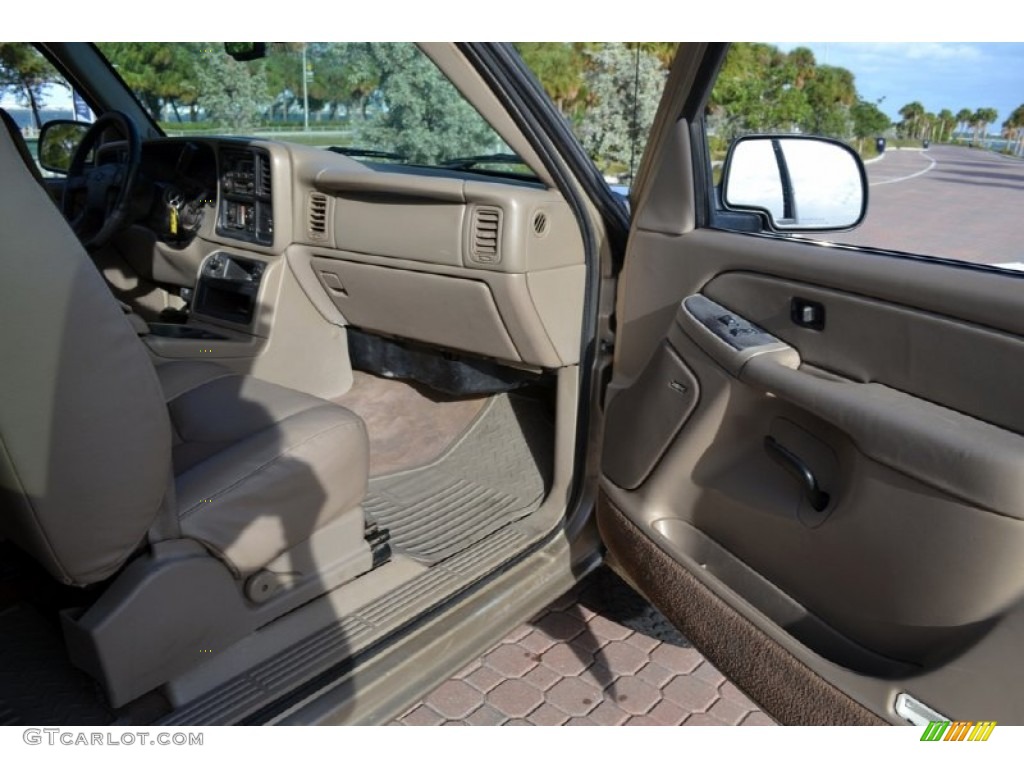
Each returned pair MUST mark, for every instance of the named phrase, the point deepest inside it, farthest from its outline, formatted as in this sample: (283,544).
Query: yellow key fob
(173,220)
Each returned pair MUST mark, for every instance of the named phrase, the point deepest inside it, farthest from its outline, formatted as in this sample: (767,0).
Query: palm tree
(804,64)
(963,119)
(912,114)
(981,118)
(928,122)
(946,123)
(830,94)
(1013,128)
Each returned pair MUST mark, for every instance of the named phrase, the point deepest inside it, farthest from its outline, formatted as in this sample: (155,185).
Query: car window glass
(379,102)
(940,127)
(608,94)
(33,92)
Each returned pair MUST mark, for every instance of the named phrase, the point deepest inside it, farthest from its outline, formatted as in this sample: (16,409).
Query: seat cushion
(258,467)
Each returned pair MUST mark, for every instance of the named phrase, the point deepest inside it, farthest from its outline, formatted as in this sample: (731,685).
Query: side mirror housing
(58,140)
(796,183)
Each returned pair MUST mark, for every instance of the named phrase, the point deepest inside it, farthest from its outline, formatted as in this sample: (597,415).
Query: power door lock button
(807,314)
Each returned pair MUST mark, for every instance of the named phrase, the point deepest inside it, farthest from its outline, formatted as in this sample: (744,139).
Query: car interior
(281,404)
(289,413)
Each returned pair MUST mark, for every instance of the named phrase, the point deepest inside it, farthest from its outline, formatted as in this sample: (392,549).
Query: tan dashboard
(454,261)
(494,269)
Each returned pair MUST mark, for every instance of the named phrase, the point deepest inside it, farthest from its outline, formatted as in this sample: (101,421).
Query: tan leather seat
(258,466)
(91,433)
(197,476)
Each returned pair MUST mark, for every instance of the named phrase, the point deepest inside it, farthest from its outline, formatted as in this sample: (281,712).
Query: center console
(246,207)
(224,313)
(228,288)
(177,331)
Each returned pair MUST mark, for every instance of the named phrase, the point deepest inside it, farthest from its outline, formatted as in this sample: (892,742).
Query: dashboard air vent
(317,216)
(264,162)
(485,238)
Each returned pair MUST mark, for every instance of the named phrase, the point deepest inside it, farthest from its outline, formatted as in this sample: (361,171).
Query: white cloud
(960,52)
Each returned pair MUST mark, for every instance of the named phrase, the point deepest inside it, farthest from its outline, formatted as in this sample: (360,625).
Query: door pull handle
(793,464)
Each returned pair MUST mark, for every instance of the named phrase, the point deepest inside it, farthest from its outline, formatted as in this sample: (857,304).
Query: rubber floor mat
(38,685)
(496,473)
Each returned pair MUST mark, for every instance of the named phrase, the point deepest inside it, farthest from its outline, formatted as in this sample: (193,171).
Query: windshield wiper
(479,163)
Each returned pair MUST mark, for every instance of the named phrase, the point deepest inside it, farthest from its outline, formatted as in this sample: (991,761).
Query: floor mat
(409,425)
(496,473)
(38,685)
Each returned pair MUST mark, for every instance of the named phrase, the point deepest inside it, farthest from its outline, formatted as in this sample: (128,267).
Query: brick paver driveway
(948,201)
(601,655)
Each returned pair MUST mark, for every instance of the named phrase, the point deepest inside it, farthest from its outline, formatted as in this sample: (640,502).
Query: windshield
(378,102)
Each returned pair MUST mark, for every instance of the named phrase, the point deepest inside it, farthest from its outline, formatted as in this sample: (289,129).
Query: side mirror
(798,183)
(245,51)
(58,140)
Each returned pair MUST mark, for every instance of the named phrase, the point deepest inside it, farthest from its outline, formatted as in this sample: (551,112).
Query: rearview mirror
(58,140)
(245,51)
(798,183)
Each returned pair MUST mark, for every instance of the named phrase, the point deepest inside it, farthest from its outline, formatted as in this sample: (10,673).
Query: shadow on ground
(606,594)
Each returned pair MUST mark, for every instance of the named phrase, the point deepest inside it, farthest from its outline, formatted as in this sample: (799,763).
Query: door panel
(866,584)
(904,408)
(874,341)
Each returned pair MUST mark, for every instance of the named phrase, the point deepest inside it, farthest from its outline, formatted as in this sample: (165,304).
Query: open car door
(835,519)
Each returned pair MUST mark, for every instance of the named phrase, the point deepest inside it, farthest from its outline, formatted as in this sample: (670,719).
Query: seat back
(85,438)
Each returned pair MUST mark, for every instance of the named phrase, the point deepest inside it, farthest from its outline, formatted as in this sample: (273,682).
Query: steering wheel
(98,199)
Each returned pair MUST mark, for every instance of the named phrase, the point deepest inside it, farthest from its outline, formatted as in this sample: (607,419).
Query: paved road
(600,655)
(954,202)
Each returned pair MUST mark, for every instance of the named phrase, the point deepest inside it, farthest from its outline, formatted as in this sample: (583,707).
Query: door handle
(728,338)
(793,464)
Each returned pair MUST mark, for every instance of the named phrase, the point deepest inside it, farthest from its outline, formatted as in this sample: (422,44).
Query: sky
(941,76)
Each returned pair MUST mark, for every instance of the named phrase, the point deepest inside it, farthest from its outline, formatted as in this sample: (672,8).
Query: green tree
(755,92)
(803,62)
(232,93)
(624,87)
(665,53)
(1016,118)
(348,77)
(361,79)
(1013,129)
(946,123)
(963,119)
(928,123)
(421,117)
(912,115)
(830,93)
(868,121)
(283,71)
(162,74)
(25,72)
(560,69)
(327,84)
(981,119)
